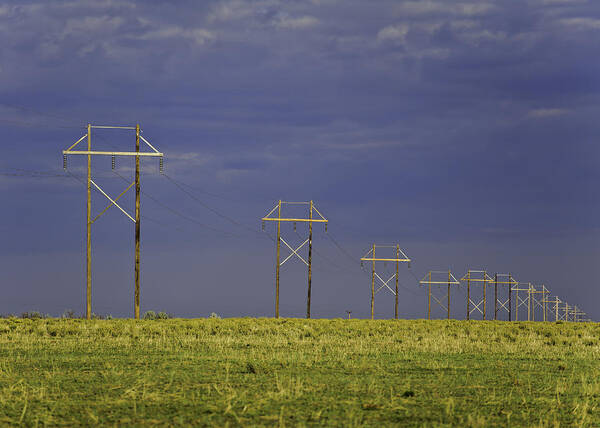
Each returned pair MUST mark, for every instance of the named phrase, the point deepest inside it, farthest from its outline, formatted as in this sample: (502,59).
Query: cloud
(581,23)
(547,112)
(396,33)
(426,7)
(200,36)
(288,22)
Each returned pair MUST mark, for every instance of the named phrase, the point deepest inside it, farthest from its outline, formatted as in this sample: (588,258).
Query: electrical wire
(177,213)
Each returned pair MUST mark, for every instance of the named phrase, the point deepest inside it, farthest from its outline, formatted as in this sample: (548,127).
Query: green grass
(265,372)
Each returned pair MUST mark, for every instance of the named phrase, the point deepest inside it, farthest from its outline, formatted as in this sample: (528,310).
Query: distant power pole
(349,313)
(477,276)
(400,256)
(429,281)
(89,153)
(503,303)
(310,219)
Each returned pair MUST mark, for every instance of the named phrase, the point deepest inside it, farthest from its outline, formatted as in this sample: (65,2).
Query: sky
(463,131)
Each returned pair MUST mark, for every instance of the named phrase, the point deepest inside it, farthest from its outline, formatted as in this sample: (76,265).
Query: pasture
(293,372)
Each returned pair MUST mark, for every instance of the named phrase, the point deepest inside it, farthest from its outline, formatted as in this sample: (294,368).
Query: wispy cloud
(547,112)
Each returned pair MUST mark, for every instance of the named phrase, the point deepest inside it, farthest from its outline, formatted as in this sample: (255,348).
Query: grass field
(290,372)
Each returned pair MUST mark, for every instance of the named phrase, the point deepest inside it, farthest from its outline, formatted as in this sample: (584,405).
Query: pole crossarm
(372,258)
(105,153)
(451,280)
(309,219)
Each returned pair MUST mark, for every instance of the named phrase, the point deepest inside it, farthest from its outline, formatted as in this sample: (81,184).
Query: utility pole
(504,303)
(310,219)
(519,286)
(481,276)
(89,153)
(434,277)
(400,256)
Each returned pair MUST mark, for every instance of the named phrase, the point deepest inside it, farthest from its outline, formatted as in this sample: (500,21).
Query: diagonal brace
(110,199)
(294,252)
(112,203)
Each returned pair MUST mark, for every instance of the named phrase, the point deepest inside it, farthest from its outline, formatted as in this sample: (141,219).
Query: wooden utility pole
(310,216)
(398,257)
(277,265)
(449,281)
(495,297)
(484,290)
(310,219)
(468,295)
(397,266)
(429,298)
(113,202)
(510,279)
(136,303)
(88,309)
(373,286)
(438,281)
(505,303)
(480,277)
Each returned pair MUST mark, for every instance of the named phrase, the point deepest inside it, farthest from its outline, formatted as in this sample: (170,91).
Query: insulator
(161,165)
(409,265)
(384,264)
(294,226)
(325,227)
(113,161)
(65,162)
(362,264)
(263,225)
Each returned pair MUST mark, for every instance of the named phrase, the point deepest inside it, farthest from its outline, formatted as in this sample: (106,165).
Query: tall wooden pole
(544,300)
(88,310)
(517,305)
(449,277)
(137,225)
(495,297)
(509,297)
(429,297)
(484,290)
(397,263)
(278,243)
(310,214)
(373,286)
(468,295)
(529,303)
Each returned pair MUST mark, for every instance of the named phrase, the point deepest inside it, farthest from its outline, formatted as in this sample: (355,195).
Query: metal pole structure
(484,292)
(88,311)
(373,286)
(495,297)
(468,295)
(309,259)
(429,298)
(137,224)
(277,264)
(509,297)
(449,277)
(556,308)
(397,264)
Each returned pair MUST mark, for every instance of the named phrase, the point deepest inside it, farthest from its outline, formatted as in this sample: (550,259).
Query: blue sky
(464,131)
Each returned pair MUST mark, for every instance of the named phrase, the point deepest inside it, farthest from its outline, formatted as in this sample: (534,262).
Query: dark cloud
(465,125)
